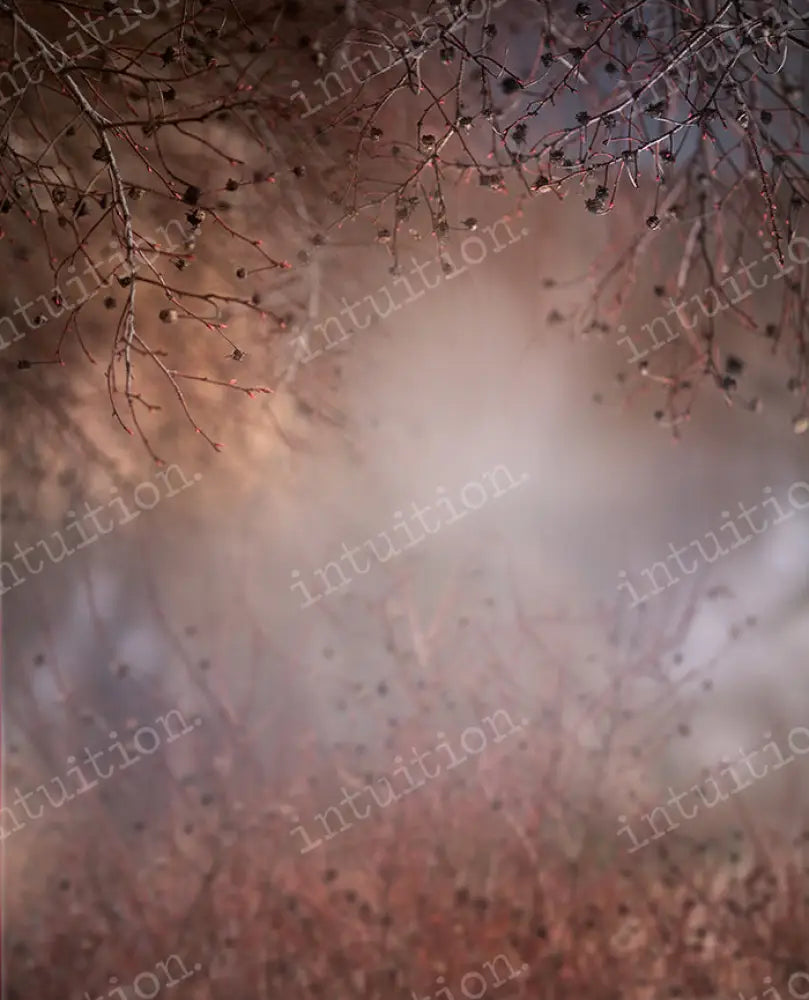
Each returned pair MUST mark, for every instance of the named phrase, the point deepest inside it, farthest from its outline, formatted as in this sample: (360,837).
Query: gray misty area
(404,556)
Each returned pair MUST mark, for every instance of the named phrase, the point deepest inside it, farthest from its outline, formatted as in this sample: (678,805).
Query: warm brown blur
(293,697)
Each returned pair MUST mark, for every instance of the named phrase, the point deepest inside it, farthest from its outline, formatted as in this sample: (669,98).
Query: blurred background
(191,608)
